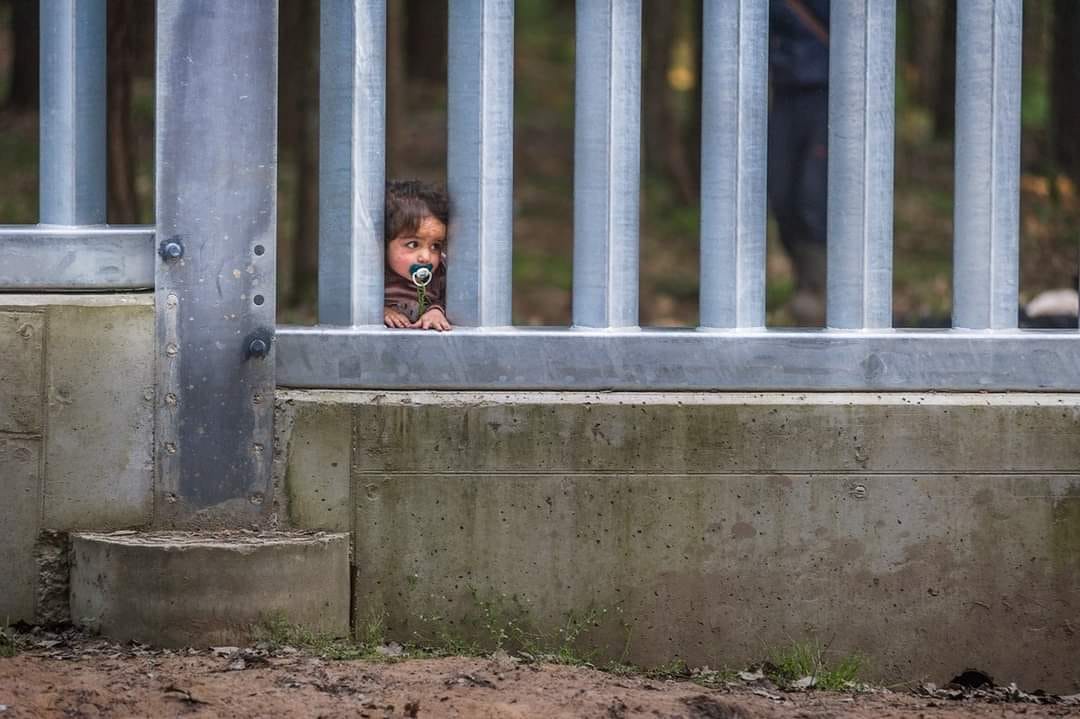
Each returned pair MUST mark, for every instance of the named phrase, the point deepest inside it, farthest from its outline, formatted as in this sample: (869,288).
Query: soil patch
(85,677)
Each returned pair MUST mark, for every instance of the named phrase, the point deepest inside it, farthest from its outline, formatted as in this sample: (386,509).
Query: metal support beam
(862,58)
(607,173)
(674,360)
(42,258)
(986,249)
(733,152)
(480,166)
(216,185)
(352,161)
(72,178)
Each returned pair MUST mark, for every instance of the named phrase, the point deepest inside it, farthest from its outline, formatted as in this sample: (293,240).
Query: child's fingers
(396,319)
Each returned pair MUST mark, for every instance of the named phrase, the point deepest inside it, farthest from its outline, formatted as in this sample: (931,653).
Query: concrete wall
(930,532)
(76,426)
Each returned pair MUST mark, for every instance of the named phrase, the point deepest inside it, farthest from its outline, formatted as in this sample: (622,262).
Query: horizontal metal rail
(73,258)
(672,360)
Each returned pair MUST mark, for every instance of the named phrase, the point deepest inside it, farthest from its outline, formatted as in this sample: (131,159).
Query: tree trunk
(290,70)
(298,82)
(923,52)
(307,161)
(307,157)
(425,38)
(692,126)
(944,106)
(665,156)
(1064,86)
(122,31)
(25,21)
(659,24)
(395,82)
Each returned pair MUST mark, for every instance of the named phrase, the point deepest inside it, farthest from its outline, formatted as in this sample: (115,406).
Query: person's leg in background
(797,172)
(808,247)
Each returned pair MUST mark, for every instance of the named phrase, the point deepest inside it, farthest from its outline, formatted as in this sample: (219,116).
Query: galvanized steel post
(607,152)
(216,197)
(733,141)
(72,179)
(862,57)
(986,249)
(352,161)
(480,165)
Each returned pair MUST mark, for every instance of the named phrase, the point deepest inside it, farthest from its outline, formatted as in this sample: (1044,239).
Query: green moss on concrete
(1065,531)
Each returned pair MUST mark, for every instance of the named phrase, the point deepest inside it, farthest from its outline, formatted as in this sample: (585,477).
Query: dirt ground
(93,678)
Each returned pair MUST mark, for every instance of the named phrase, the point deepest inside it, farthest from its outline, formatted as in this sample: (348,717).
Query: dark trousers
(798,161)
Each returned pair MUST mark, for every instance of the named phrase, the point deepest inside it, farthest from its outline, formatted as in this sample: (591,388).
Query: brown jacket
(400,293)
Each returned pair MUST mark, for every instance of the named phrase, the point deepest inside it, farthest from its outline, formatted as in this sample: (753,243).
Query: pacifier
(421,274)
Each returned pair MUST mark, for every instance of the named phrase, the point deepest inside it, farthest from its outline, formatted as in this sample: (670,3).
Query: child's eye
(436,247)
(412,244)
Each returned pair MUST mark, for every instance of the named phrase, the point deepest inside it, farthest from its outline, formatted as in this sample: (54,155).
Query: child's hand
(433,319)
(393,318)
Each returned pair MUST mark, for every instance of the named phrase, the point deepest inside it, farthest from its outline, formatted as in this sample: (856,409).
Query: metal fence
(211,254)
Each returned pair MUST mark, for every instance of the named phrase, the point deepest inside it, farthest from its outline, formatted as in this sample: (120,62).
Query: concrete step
(208,588)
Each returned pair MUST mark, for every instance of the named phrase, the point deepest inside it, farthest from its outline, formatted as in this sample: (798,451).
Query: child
(415,280)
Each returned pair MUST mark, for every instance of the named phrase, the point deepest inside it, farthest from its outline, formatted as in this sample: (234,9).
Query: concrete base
(929,533)
(76,427)
(203,589)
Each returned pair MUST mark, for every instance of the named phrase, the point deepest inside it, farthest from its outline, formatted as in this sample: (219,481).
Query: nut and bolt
(258,347)
(171,250)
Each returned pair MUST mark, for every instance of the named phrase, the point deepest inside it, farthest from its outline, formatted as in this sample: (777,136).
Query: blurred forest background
(543,161)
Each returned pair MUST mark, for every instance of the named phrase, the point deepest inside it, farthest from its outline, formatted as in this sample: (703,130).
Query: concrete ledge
(200,589)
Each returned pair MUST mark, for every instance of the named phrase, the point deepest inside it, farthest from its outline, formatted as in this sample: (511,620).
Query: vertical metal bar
(607,150)
(862,57)
(480,167)
(216,139)
(352,161)
(986,248)
(72,179)
(733,153)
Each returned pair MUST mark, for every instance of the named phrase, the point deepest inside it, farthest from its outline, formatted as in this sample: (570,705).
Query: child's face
(425,246)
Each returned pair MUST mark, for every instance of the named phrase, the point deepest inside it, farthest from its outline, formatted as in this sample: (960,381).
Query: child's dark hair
(408,202)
